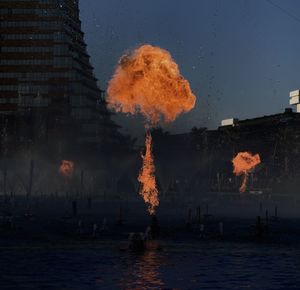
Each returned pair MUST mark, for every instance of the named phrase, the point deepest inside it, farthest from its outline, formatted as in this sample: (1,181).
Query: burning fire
(148,81)
(147,179)
(66,168)
(243,163)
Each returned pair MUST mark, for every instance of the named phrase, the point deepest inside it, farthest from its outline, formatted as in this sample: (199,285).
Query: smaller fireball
(66,168)
(243,163)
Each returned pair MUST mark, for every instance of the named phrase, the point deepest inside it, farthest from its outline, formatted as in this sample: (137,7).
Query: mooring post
(81,182)
(30,182)
(199,215)
(189,221)
(260,207)
(120,219)
(74,208)
(4,179)
(31,169)
(219,182)
(89,202)
(221,229)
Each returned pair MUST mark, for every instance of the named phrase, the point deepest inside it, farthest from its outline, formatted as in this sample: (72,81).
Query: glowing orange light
(66,168)
(148,81)
(148,189)
(243,163)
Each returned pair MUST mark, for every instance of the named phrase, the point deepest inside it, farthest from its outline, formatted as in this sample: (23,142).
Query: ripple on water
(212,266)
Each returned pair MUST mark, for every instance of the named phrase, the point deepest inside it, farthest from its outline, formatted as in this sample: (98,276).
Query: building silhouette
(48,91)
(205,155)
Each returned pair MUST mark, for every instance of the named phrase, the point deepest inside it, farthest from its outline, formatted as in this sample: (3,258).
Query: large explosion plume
(148,81)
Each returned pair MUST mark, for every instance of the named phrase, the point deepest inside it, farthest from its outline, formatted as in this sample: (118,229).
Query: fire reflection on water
(144,273)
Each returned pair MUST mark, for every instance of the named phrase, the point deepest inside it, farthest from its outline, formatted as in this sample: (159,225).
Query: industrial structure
(205,155)
(48,92)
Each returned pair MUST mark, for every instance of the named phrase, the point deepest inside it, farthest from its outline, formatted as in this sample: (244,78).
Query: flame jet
(148,81)
(147,179)
(243,163)
(66,168)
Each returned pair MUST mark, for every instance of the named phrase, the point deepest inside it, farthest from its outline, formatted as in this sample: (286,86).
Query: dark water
(180,266)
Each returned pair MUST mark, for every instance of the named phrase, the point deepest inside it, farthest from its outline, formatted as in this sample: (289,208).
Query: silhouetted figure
(8,223)
(136,242)
(154,228)
(189,220)
(147,234)
(259,228)
(95,229)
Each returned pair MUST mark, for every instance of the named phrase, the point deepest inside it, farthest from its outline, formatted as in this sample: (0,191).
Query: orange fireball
(243,163)
(148,81)
(66,168)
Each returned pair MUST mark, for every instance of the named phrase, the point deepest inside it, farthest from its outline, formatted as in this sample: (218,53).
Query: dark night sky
(240,56)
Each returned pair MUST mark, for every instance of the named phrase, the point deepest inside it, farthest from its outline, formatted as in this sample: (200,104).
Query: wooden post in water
(30,183)
(81,182)
(199,215)
(4,179)
(74,208)
(260,207)
(120,219)
(5,197)
(219,182)
(89,202)
(189,220)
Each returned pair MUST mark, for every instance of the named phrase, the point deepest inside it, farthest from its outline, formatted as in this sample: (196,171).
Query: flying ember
(148,81)
(243,163)
(66,168)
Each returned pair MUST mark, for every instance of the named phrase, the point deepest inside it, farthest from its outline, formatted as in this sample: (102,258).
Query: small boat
(137,244)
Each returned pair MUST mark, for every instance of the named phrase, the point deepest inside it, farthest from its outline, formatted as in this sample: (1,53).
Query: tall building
(47,86)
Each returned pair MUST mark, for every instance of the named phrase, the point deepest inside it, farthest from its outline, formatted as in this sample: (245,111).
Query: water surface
(180,266)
